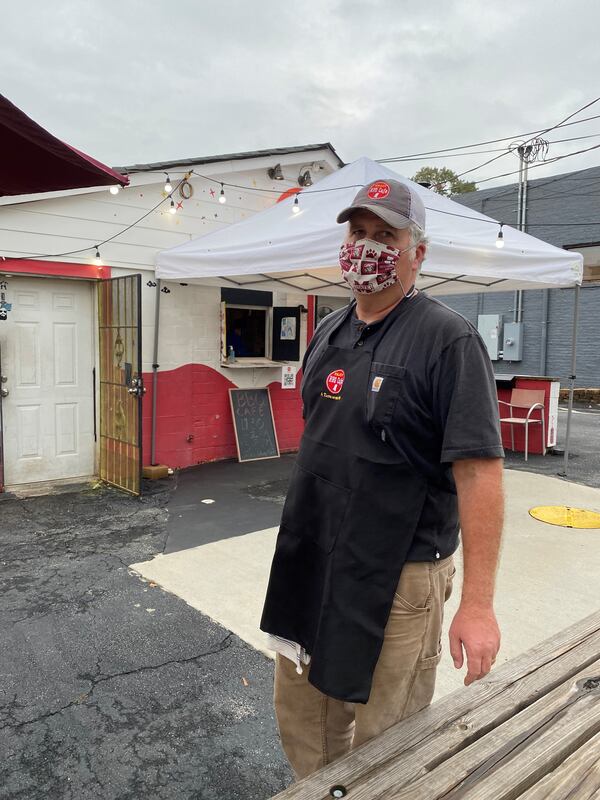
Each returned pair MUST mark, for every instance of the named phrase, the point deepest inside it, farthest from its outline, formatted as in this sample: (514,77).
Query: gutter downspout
(155,366)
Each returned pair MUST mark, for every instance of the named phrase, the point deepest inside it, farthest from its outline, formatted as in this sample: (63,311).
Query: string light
(295,209)
(97,259)
(500,239)
(168,187)
(114,189)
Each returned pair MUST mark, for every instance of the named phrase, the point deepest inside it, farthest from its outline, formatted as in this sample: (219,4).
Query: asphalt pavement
(584,449)
(110,687)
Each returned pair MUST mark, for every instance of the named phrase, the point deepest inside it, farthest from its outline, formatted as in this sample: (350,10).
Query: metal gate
(121,385)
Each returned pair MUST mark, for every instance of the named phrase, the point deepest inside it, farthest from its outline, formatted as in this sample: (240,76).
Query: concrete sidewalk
(548,576)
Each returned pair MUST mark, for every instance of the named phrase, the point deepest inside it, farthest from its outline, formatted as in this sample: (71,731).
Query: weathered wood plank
(453,777)
(562,734)
(408,749)
(577,778)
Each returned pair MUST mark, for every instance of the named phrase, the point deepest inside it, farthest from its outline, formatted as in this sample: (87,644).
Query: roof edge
(187,162)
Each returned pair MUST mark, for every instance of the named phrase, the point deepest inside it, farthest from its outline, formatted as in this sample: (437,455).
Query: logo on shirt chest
(335,381)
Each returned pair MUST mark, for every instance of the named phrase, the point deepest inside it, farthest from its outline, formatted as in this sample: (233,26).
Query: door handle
(3,392)
(137,387)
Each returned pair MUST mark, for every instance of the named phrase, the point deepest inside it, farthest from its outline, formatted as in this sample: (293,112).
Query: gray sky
(134,81)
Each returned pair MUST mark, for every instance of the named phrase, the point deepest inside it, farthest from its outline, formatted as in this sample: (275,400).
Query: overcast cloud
(132,81)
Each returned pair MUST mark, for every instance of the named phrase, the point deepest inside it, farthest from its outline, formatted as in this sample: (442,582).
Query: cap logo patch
(379,190)
(335,381)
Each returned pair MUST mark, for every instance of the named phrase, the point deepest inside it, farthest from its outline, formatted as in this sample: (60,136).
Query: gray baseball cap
(396,203)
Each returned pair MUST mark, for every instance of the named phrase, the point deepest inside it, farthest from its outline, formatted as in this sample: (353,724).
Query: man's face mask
(369,266)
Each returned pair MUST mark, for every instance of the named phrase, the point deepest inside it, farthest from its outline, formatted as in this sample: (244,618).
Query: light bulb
(97,260)
(222,198)
(168,187)
(114,189)
(500,239)
(172,210)
(296,206)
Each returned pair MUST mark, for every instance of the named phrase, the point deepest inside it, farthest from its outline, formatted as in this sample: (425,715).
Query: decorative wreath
(186,190)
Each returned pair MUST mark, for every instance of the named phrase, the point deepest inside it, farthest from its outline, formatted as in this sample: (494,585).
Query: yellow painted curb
(566,516)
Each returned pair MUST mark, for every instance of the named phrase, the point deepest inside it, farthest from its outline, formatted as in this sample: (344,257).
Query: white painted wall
(54,225)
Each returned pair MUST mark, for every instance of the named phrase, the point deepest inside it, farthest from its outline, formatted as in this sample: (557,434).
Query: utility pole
(528,152)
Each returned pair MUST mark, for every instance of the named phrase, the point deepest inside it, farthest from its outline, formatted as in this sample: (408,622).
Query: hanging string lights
(168,187)
(500,239)
(172,209)
(114,189)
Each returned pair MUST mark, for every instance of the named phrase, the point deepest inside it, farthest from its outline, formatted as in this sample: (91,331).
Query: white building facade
(70,375)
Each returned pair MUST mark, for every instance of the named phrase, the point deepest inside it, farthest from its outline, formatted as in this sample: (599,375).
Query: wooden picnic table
(529,730)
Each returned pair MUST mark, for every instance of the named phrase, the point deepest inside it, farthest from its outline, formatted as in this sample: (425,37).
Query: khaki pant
(316,730)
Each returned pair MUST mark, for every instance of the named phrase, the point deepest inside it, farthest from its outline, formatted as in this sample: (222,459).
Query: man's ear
(420,251)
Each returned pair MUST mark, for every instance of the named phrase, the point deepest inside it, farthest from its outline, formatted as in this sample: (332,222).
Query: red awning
(32,160)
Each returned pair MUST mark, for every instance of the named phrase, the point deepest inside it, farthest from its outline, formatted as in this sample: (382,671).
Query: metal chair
(532,400)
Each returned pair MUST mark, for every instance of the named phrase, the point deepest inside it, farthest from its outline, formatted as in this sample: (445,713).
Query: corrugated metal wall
(560,325)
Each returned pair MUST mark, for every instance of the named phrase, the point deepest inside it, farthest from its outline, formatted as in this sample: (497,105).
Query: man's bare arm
(481,513)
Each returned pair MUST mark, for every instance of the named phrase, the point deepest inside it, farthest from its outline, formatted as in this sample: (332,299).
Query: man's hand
(476,630)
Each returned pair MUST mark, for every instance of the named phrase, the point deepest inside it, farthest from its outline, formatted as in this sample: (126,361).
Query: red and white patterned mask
(369,266)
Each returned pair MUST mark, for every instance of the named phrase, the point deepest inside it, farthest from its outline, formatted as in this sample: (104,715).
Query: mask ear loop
(413,289)
(411,292)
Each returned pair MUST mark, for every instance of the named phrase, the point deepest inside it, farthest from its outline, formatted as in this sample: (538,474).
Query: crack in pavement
(95,680)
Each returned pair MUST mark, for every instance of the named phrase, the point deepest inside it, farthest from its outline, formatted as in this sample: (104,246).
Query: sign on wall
(288,377)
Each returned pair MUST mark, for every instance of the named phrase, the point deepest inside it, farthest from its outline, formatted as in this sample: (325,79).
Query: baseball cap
(396,203)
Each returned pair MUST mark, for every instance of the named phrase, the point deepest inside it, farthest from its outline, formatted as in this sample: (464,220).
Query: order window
(255,332)
(246,332)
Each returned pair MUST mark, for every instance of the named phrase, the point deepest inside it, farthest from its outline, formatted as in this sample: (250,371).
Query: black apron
(349,519)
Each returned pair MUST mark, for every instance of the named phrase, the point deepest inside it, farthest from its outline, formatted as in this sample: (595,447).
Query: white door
(47,354)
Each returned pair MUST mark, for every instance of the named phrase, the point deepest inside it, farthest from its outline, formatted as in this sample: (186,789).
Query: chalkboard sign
(253,424)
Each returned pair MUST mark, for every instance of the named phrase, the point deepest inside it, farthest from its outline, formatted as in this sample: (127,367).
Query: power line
(406,159)
(540,182)
(547,130)
(534,166)
(489,141)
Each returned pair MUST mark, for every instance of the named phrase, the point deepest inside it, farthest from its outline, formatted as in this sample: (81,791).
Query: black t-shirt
(447,406)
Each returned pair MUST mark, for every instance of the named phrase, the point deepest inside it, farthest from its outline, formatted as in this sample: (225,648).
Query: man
(401,438)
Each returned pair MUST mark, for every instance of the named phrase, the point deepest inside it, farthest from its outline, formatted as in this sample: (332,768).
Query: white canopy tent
(300,250)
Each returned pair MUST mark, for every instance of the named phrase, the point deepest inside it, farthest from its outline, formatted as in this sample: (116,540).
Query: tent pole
(572,377)
(544,339)
(155,373)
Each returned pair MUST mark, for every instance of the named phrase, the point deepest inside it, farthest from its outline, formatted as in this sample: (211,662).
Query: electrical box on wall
(512,349)
(489,326)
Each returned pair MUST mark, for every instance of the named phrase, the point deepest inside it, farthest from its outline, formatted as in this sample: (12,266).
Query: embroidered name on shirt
(376,385)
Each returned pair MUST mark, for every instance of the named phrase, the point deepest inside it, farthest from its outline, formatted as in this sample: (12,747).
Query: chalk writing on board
(253,423)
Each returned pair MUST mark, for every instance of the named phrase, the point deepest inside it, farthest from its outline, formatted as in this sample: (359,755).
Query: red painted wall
(58,269)
(194,422)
